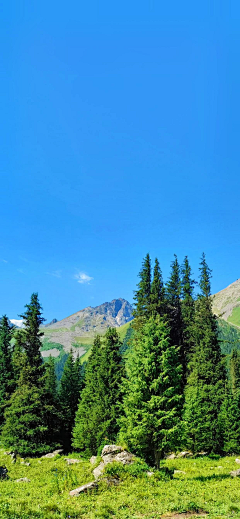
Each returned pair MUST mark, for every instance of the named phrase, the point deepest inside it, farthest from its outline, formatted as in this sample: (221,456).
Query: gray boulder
(83,488)
(93,460)
(111,453)
(235,473)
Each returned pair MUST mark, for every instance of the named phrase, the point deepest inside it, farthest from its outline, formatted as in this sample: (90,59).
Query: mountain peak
(226,303)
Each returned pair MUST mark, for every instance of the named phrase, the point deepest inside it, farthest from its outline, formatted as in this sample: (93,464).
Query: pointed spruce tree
(158,302)
(69,394)
(230,411)
(7,384)
(142,295)
(91,406)
(27,428)
(99,406)
(152,399)
(187,313)
(206,381)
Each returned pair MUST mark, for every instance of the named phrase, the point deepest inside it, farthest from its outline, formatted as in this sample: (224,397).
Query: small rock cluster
(52,454)
(109,454)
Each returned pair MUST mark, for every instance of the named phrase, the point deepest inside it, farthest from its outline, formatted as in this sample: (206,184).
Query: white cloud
(4,261)
(55,273)
(83,278)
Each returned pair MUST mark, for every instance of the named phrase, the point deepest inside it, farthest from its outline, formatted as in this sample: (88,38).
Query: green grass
(206,485)
(234,318)
(122,330)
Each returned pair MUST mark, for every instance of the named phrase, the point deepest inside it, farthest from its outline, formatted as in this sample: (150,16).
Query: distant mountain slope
(226,303)
(78,330)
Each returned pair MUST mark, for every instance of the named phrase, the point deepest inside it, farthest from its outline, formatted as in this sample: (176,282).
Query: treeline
(168,390)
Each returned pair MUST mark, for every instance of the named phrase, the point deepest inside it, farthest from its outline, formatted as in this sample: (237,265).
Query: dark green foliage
(142,296)
(19,355)
(32,337)
(30,418)
(152,393)
(69,393)
(206,381)
(25,430)
(6,365)
(173,294)
(158,306)
(187,314)
(98,409)
(230,412)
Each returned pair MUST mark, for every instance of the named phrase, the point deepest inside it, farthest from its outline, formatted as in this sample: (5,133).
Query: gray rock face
(112,453)
(52,454)
(235,473)
(83,488)
(185,454)
(3,473)
(88,322)
(111,449)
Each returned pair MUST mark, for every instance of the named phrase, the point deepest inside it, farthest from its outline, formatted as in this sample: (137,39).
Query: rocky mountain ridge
(226,303)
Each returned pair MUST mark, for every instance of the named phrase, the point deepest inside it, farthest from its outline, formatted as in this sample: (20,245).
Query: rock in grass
(83,488)
(179,472)
(237,460)
(111,449)
(3,473)
(93,460)
(99,470)
(22,480)
(185,454)
(235,473)
(52,454)
(171,456)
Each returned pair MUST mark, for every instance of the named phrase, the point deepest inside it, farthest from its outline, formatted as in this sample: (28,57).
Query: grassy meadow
(202,488)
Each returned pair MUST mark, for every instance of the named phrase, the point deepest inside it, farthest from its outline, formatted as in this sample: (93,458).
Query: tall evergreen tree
(187,313)
(69,394)
(6,366)
(142,296)
(27,427)
(206,381)
(158,302)
(91,406)
(152,393)
(32,337)
(98,410)
(230,411)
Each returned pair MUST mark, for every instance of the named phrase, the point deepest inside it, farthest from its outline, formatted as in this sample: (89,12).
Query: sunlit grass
(206,485)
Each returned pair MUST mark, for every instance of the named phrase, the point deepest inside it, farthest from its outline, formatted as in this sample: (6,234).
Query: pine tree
(158,302)
(27,427)
(50,403)
(98,409)
(32,337)
(69,394)
(152,393)
(6,366)
(230,411)
(206,381)
(91,407)
(187,313)
(143,294)
(173,293)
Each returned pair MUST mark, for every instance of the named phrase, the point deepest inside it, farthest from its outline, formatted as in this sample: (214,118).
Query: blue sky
(119,136)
